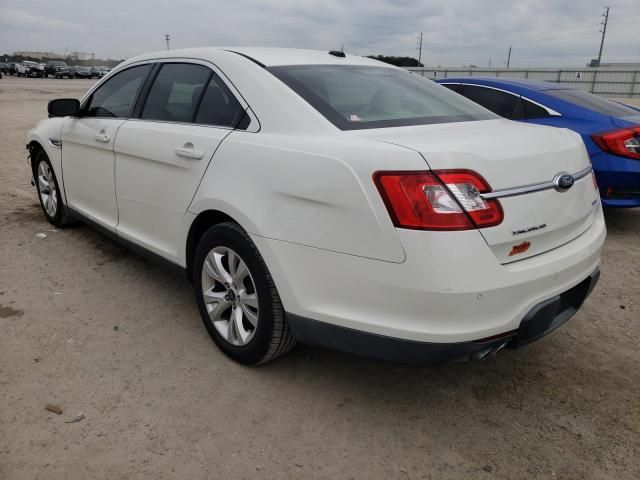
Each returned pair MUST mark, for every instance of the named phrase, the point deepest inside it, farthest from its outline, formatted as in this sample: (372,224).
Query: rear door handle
(187,151)
(101,137)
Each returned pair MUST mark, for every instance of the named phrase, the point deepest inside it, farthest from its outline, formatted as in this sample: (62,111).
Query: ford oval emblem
(563,182)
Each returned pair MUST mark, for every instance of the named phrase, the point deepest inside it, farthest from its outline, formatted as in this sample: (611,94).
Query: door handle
(101,137)
(187,151)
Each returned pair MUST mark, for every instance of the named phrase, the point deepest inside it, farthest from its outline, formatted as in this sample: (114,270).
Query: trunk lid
(626,121)
(517,160)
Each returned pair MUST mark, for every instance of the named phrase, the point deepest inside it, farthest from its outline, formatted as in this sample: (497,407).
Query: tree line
(398,61)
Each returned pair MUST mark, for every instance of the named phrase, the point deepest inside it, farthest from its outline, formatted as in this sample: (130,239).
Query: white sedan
(330,199)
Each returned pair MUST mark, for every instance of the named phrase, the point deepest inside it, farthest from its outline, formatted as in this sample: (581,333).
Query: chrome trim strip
(550,111)
(55,142)
(536,187)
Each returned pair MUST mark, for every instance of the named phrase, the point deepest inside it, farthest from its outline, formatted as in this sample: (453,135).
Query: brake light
(438,200)
(624,142)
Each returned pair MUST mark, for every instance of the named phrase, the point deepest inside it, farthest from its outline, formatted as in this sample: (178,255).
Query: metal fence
(609,82)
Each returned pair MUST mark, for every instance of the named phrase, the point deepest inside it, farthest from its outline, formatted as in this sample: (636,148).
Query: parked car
(57,69)
(13,68)
(4,68)
(329,199)
(98,72)
(22,70)
(81,72)
(610,130)
(32,69)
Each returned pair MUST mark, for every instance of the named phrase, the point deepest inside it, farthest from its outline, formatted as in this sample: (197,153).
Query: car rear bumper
(541,320)
(618,180)
(450,289)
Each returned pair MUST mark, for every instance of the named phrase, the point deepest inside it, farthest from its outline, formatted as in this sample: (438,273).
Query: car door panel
(162,156)
(88,168)
(88,159)
(156,179)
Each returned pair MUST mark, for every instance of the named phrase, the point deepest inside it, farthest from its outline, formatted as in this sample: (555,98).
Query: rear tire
(49,191)
(242,310)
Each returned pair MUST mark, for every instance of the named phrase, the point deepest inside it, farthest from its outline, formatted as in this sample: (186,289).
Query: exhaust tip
(480,355)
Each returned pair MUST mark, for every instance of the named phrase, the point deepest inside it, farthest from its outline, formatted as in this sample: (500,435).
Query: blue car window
(451,86)
(504,104)
(532,110)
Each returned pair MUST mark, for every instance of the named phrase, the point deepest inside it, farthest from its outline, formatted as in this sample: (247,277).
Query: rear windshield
(356,97)
(593,102)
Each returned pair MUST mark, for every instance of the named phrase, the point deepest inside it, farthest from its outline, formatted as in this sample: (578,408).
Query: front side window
(504,104)
(357,97)
(115,97)
(176,92)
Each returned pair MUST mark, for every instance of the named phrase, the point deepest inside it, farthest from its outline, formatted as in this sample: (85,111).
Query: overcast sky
(456,32)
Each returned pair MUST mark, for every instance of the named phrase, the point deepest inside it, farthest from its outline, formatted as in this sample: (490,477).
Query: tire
(50,198)
(253,342)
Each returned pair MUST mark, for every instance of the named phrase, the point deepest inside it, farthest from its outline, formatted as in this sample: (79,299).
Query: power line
(604,32)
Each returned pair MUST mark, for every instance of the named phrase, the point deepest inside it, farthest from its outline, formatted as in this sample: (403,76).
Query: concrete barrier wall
(609,82)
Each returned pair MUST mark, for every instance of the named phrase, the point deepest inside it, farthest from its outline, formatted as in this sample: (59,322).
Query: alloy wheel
(230,296)
(47,189)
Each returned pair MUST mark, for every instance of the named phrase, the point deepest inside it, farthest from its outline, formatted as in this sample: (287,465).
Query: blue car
(610,130)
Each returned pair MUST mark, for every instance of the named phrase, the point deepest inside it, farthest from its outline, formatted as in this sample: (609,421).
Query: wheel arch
(40,138)
(34,146)
(203,221)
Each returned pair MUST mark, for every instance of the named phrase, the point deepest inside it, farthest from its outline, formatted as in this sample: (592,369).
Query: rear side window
(220,107)
(451,86)
(592,102)
(115,97)
(175,93)
(532,110)
(502,103)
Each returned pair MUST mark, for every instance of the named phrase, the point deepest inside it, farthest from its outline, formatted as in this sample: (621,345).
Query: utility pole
(489,62)
(419,47)
(509,57)
(167,38)
(603,30)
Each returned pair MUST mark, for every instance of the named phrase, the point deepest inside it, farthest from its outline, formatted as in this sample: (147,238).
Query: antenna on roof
(337,53)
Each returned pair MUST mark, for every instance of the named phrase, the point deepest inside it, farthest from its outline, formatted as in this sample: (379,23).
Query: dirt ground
(96,330)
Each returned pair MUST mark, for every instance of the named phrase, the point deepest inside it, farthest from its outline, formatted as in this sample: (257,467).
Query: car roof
(266,56)
(505,81)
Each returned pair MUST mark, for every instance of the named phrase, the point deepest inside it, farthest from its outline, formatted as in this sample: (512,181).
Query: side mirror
(63,107)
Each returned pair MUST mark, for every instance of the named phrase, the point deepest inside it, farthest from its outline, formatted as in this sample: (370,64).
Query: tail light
(438,200)
(624,142)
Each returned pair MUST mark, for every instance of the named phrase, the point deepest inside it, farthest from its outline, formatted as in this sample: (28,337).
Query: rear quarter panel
(311,190)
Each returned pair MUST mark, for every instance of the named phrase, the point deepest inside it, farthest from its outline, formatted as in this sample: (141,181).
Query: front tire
(49,191)
(238,300)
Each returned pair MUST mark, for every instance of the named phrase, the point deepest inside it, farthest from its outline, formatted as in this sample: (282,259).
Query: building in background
(49,55)
(56,56)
